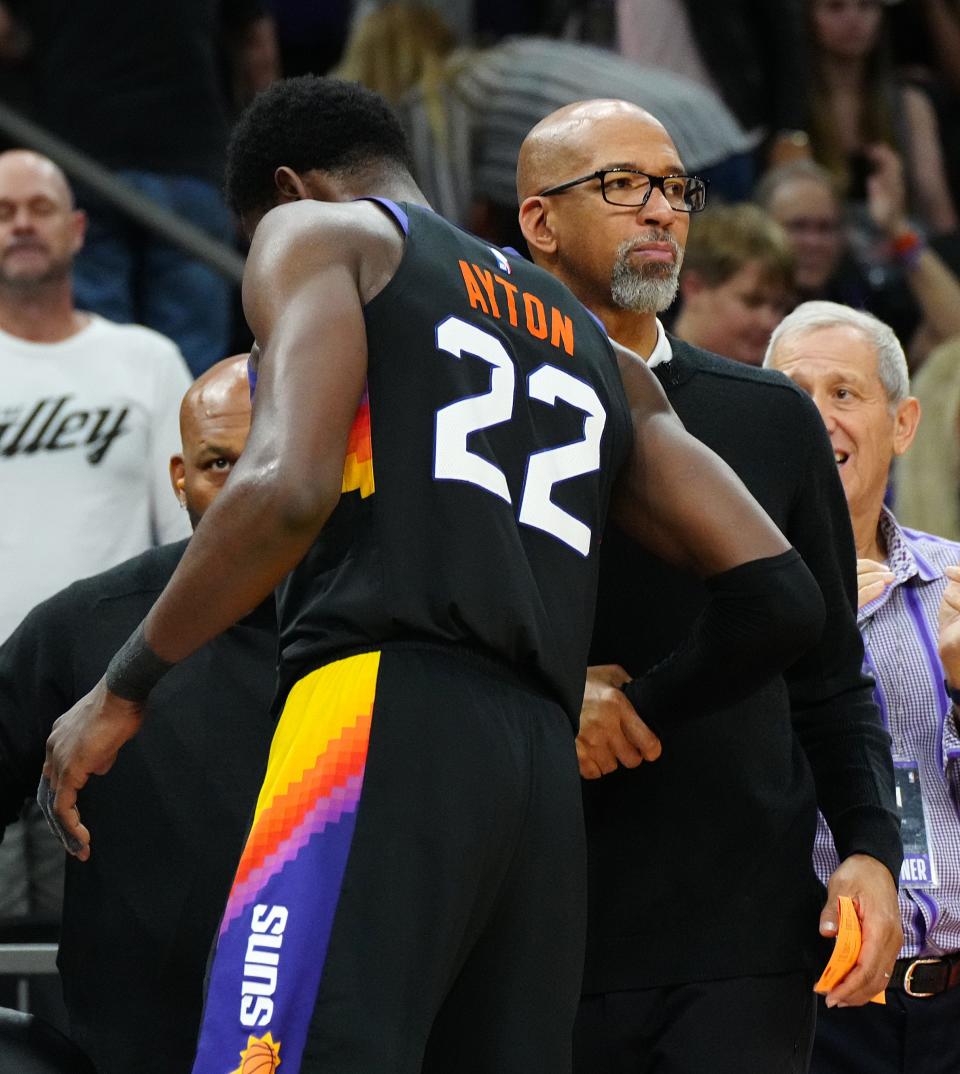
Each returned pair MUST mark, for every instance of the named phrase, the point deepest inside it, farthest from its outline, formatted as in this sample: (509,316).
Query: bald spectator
(854,369)
(171,814)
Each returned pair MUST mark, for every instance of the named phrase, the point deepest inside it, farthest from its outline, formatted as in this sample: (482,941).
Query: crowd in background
(839,118)
(829,132)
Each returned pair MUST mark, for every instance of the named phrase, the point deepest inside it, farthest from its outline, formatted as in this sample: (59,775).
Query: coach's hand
(611,732)
(84,742)
(869,883)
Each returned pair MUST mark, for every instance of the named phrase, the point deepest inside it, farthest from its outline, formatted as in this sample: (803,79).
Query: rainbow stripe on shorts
(273,939)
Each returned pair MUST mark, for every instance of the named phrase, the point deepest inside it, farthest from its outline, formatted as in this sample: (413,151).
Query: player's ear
(536,225)
(290,186)
(178,478)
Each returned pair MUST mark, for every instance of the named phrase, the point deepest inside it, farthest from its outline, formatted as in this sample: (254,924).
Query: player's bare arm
(311,268)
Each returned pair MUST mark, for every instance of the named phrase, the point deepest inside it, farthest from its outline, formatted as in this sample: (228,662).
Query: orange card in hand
(846,950)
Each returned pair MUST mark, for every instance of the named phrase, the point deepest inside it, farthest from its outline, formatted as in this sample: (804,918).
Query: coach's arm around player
(765,607)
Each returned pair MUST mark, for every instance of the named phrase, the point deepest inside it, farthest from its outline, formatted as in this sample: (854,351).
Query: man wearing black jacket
(702,943)
(172,812)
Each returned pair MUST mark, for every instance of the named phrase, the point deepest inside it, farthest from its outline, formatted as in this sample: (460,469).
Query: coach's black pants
(743,1025)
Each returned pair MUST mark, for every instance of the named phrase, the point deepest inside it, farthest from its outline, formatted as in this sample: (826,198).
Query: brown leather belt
(925,977)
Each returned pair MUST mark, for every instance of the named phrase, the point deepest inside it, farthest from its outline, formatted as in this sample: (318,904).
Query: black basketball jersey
(477,475)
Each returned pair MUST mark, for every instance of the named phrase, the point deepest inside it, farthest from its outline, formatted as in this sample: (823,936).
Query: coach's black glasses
(627,186)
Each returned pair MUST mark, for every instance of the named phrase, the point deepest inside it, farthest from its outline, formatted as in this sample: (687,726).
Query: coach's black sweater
(700,863)
(167,821)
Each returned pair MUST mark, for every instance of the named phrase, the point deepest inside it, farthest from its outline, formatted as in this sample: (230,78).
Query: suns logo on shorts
(261,1056)
(261,968)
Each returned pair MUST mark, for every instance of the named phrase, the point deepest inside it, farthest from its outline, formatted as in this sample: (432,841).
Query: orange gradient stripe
(358,465)
(320,743)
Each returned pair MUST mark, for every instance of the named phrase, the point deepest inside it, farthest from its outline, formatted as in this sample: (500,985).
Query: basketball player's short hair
(309,123)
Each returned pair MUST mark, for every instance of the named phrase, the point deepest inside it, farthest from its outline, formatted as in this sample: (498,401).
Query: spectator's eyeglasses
(627,186)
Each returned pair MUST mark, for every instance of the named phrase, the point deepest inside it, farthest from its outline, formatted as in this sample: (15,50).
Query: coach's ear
(178,478)
(536,226)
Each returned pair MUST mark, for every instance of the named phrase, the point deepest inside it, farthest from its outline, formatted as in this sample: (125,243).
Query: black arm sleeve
(760,617)
(834,714)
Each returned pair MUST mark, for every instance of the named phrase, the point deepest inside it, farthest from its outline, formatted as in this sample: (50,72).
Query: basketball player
(436,430)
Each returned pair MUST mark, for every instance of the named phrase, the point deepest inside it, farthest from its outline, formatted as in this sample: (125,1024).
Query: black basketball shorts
(411,894)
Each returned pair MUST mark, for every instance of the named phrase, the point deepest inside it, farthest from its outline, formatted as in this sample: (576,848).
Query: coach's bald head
(568,138)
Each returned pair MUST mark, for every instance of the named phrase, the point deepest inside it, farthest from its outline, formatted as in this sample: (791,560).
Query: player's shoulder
(320,230)
(296,243)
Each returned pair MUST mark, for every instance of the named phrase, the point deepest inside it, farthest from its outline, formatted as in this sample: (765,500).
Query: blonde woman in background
(928,476)
(394,48)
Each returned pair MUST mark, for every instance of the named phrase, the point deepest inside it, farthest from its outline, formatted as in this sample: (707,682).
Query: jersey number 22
(453,461)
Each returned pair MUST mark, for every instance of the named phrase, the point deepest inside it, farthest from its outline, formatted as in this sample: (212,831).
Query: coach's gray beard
(650,288)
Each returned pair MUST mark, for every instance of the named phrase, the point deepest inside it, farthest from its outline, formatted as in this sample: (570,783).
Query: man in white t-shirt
(88,421)
(88,409)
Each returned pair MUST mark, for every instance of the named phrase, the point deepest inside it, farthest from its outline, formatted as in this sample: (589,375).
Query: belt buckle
(908,977)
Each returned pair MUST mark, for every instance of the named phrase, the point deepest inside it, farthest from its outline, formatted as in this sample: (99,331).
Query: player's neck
(638,331)
(46,315)
(399,188)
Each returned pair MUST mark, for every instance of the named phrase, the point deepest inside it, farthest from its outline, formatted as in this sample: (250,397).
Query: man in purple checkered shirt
(909,615)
